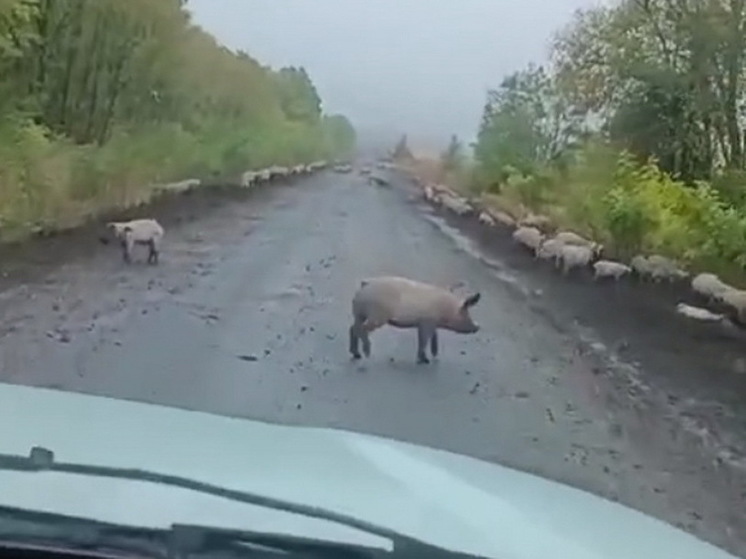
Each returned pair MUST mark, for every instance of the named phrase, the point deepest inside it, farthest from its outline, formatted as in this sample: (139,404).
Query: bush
(633,206)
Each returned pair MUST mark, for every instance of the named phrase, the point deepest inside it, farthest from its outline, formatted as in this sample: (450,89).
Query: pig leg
(360,331)
(366,328)
(434,343)
(355,335)
(153,252)
(425,333)
(126,252)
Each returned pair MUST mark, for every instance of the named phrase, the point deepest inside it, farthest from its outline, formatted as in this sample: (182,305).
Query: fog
(420,67)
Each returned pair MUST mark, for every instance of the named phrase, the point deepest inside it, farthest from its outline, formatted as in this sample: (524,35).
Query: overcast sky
(415,66)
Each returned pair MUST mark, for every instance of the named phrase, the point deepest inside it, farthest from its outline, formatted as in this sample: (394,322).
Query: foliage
(633,132)
(340,134)
(524,124)
(101,98)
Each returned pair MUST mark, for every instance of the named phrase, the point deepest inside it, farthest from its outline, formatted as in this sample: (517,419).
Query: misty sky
(395,66)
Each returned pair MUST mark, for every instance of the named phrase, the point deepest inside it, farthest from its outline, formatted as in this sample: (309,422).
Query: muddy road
(247,316)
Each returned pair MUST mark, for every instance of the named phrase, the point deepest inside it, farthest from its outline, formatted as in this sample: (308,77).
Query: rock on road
(247,316)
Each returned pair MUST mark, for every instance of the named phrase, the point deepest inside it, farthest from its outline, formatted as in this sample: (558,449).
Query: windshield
(508,231)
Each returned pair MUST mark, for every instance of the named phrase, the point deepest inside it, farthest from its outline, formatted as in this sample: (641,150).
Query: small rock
(248,357)
(267,352)
(303,388)
(474,389)
(61,336)
(521,394)
(298,406)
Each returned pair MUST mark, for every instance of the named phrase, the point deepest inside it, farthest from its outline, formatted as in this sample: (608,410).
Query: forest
(631,132)
(101,100)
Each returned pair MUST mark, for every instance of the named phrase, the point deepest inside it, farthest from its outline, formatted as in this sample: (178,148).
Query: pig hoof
(422,360)
(356,356)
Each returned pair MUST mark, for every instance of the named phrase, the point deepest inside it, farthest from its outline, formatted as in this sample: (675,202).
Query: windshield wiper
(37,530)
(42,459)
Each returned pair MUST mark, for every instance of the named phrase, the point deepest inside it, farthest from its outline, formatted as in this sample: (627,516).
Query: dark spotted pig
(406,303)
(146,232)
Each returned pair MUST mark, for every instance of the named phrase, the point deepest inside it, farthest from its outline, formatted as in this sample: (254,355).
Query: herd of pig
(570,251)
(149,233)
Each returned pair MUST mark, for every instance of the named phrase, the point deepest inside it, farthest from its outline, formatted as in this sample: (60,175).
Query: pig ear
(472,300)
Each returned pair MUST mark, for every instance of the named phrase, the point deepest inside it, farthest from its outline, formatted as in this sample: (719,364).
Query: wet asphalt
(247,316)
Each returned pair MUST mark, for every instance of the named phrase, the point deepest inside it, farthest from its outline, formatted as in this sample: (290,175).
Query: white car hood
(444,499)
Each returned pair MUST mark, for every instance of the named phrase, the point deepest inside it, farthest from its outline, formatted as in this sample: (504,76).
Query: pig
(735,299)
(662,268)
(575,256)
(609,269)
(541,222)
(572,238)
(550,249)
(138,232)
(530,237)
(710,287)
(486,219)
(641,266)
(698,313)
(408,304)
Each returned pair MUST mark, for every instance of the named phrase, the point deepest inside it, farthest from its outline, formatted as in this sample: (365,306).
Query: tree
(452,158)
(298,96)
(401,150)
(525,124)
(340,134)
(107,96)
(682,61)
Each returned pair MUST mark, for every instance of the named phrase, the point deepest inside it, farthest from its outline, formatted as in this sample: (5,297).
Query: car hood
(442,498)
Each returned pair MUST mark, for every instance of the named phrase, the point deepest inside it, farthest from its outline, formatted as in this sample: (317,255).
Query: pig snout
(467,327)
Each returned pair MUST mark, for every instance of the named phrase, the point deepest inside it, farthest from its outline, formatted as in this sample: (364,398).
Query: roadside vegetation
(632,133)
(102,99)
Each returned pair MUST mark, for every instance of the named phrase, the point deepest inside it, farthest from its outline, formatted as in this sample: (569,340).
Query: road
(247,316)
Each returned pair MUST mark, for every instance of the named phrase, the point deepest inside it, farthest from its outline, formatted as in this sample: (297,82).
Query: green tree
(101,98)
(340,134)
(525,124)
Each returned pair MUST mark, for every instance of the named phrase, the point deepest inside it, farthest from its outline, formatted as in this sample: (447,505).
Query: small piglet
(405,303)
(146,232)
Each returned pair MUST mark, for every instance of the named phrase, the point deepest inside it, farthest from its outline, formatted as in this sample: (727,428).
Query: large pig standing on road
(406,303)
